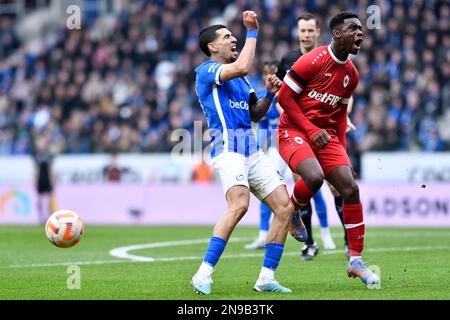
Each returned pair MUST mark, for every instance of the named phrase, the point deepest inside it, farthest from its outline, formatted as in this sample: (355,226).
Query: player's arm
(279,108)
(283,67)
(258,108)
(342,127)
(350,125)
(350,105)
(243,63)
(294,83)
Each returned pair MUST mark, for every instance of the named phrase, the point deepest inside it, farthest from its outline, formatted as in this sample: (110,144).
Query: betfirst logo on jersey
(238,104)
(324,97)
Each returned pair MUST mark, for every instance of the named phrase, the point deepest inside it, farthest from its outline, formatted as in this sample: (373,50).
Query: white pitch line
(59,264)
(122,252)
(230,256)
(294,253)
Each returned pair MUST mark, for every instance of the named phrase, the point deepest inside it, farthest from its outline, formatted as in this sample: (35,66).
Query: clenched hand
(273,84)
(321,139)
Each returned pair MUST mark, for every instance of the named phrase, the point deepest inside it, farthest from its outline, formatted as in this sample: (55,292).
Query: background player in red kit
(311,132)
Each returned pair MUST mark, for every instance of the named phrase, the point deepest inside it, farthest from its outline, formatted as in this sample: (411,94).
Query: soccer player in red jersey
(311,132)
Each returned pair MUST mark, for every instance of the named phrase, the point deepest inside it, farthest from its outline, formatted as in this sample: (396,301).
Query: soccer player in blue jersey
(230,104)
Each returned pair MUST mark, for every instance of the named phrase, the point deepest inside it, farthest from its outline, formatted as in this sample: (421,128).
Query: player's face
(308,33)
(352,35)
(225,45)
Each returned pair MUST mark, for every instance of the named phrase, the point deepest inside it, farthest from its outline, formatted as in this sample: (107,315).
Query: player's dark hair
(270,64)
(309,16)
(338,19)
(208,35)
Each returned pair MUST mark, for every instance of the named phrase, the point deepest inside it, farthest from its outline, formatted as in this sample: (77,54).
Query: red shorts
(294,147)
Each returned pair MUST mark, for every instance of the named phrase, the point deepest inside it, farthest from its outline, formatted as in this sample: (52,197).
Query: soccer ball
(64,228)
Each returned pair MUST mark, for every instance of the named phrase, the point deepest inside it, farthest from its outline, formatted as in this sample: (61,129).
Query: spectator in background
(130,82)
(113,172)
(202,173)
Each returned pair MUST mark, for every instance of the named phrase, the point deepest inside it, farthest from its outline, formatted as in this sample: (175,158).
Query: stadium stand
(125,80)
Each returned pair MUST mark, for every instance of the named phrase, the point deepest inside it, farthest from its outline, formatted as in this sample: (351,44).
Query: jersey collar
(333,56)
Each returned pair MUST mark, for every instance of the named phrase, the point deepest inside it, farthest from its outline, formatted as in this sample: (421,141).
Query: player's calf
(355,228)
(312,177)
(302,195)
(350,193)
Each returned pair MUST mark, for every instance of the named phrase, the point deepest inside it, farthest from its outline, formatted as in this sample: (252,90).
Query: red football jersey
(316,91)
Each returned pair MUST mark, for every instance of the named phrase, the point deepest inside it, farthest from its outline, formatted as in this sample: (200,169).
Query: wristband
(252,33)
(269,95)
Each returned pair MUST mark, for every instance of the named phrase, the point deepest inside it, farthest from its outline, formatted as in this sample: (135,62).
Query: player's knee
(351,192)
(238,209)
(286,214)
(314,180)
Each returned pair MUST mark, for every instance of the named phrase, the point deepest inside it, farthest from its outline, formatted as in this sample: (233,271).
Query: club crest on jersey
(346,80)
(298,140)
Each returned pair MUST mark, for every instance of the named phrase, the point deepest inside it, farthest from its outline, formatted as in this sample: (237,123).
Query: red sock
(354,225)
(301,195)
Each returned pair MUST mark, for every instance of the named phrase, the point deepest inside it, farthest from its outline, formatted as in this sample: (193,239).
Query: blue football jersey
(226,107)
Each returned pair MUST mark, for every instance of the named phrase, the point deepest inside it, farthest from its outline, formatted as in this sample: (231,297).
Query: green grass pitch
(414,264)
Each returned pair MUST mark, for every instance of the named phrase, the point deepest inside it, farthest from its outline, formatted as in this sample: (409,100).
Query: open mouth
(358,43)
(233,48)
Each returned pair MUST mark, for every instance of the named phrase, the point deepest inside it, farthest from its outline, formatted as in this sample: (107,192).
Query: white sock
(205,269)
(263,234)
(353,258)
(325,231)
(266,274)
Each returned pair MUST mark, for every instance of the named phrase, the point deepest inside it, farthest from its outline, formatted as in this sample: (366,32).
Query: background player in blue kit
(230,104)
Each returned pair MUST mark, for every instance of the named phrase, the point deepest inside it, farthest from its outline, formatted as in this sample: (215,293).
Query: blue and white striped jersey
(226,107)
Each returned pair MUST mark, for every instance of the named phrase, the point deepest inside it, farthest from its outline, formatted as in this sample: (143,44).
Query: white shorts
(256,172)
(277,161)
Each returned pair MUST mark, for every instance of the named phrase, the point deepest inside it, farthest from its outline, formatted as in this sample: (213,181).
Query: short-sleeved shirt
(226,106)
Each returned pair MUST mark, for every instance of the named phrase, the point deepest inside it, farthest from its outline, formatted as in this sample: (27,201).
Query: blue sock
(321,209)
(264,212)
(214,251)
(273,255)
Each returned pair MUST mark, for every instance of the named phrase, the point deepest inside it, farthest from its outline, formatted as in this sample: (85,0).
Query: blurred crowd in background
(124,83)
